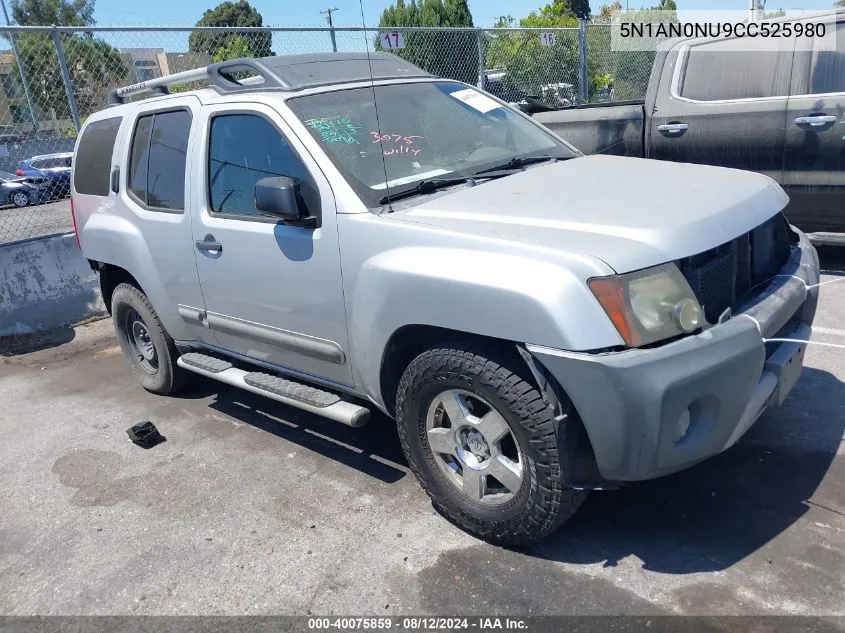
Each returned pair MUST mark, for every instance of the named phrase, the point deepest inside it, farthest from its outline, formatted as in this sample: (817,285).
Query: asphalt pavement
(35,220)
(251,507)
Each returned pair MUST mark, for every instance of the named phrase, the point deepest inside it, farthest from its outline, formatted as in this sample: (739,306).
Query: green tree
(240,13)
(49,12)
(94,66)
(666,5)
(839,3)
(451,54)
(572,8)
(606,12)
(532,67)
(235,48)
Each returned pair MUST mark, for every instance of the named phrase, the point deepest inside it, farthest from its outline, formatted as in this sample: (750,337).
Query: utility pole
(328,14)
(32,113)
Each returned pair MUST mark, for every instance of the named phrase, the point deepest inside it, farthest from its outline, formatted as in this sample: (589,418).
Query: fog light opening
(682,427)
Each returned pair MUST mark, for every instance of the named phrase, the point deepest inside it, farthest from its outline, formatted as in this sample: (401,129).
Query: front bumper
(631,402)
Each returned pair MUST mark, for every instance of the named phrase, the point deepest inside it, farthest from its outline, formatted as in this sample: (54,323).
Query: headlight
(649,305)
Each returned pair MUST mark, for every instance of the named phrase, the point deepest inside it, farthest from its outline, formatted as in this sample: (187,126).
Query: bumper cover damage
(652,412)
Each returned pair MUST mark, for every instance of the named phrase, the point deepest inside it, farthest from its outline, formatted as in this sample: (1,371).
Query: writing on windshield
(399,133)
(336,130)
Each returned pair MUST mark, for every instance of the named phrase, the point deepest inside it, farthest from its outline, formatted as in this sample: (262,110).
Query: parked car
(55,168)
(778,112)
(531,346)
(496,83)
(21,192)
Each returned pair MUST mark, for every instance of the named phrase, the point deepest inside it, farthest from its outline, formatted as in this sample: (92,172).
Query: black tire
(163,376)
(542,503)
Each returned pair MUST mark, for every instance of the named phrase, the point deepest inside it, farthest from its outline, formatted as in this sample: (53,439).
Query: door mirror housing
(280,197)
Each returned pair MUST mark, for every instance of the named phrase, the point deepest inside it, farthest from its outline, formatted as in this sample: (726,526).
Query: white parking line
(828,330)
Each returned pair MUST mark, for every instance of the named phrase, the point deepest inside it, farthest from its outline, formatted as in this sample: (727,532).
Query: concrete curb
(45,283)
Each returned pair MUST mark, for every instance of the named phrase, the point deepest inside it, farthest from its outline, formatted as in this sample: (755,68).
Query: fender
(513,297)
(111,239)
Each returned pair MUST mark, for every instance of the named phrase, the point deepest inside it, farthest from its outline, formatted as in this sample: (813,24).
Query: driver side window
(243,149)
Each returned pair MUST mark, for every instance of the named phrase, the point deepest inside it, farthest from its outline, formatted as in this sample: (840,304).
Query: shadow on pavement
(715,514)
(373,449)
(703,519)
(18,344)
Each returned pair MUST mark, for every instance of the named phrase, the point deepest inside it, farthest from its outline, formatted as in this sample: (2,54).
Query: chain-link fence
(53,78)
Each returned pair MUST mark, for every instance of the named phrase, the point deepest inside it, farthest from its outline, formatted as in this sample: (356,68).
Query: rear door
(814,167)
(720,106)
(154,198)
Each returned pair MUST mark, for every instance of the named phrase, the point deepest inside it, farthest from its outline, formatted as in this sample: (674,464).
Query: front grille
(726,276)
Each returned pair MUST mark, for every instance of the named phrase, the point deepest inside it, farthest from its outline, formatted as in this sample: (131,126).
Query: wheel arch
(111,277)
(409,341)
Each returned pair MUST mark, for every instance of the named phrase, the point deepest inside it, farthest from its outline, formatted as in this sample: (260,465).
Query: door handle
(672,128)
(115,180)
(815,121)
(209,244)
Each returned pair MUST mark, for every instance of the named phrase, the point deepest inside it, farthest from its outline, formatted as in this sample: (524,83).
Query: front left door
(272,292)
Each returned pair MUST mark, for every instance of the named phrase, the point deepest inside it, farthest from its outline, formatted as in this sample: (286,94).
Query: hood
(631,213)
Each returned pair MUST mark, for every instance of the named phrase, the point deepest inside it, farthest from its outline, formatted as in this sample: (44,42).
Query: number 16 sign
(547,38)
(392,40)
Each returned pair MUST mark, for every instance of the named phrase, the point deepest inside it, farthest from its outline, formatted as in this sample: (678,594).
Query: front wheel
(482,442)
(147,346)
(20,199)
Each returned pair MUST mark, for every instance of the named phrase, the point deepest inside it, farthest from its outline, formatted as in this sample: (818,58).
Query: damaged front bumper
(651,412)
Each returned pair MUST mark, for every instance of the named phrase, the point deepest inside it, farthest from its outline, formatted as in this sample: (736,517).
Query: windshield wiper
(428,185)
(521,161)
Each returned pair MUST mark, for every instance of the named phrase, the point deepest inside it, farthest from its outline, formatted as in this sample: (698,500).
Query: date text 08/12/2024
(418,624)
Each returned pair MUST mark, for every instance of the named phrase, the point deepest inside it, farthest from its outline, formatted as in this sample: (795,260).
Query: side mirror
(279,197)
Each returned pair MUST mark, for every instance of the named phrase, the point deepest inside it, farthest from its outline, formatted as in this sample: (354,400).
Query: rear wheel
(147,346)
(482,442)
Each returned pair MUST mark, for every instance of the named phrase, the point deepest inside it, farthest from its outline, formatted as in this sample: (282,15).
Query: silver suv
(343,233)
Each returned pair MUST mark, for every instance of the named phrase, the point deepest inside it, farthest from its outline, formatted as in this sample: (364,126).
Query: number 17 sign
(392,40)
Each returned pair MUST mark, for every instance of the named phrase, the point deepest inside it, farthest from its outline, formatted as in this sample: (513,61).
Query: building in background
(151,63)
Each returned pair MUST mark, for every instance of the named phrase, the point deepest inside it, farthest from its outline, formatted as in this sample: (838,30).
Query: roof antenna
(375,105)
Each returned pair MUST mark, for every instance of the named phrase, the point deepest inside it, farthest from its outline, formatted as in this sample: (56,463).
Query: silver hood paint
(629,212)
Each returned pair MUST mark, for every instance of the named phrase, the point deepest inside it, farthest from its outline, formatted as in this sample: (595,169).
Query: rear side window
(94,157)
(716,71)
(157,160)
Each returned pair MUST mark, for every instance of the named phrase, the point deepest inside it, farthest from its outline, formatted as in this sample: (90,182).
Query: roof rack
(287,72)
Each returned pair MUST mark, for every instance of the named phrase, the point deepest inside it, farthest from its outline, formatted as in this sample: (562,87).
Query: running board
(295,394)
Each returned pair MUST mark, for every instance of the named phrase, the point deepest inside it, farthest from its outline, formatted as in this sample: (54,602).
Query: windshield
(419,131)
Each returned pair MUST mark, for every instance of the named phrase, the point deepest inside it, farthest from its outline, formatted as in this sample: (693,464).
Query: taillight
(19,172)
(75,230)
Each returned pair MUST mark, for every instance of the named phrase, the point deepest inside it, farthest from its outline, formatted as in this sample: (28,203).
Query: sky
(307,12)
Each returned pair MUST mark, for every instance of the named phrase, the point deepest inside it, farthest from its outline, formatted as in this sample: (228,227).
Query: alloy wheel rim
(474,447)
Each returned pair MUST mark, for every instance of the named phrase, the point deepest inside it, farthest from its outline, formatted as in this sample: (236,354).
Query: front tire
(483,444)
(147,346)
